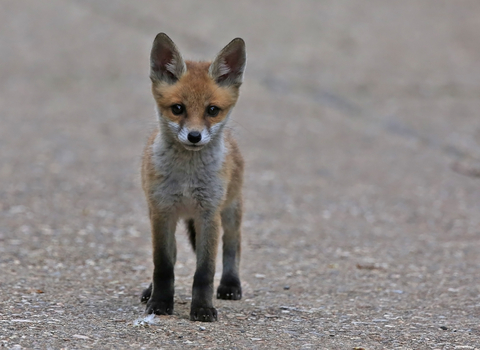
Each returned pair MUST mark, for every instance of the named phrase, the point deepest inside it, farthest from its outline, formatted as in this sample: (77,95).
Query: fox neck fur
(190,178)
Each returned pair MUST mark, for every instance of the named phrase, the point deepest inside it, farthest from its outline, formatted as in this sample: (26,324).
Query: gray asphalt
(359,122)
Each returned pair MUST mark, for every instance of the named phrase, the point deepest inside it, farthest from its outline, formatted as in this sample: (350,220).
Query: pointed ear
(229,65)
(166,63)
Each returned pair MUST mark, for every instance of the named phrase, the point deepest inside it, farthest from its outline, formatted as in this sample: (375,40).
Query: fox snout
(192,136)
(194,139)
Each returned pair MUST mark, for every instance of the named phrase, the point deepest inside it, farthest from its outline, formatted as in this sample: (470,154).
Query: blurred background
(359,124)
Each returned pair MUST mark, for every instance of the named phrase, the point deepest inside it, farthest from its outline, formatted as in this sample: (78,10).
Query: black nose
(194,136)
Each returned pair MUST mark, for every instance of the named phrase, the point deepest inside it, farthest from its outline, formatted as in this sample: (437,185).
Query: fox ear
(229,65)
(166,63)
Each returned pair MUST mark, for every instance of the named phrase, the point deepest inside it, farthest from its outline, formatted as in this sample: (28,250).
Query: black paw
(159,307)
(203,314)
(229,292)
(146,294)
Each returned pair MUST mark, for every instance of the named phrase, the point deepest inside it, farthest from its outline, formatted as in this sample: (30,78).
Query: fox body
(192,170)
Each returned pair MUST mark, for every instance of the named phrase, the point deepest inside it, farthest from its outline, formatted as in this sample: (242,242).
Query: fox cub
(192,170)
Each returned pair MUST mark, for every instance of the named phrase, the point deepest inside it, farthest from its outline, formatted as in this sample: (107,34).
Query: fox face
(194,99)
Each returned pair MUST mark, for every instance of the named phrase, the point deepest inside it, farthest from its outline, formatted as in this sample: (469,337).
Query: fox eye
(213,111)
(177,109)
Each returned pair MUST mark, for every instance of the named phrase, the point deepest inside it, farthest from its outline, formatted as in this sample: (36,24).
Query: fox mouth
(192,147)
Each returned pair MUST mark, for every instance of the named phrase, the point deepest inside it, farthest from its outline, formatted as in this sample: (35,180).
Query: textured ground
(359,122)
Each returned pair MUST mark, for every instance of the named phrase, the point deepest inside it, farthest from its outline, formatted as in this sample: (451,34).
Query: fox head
(194,99)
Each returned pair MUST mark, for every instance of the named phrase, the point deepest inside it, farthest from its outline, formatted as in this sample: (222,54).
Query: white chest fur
(190,179)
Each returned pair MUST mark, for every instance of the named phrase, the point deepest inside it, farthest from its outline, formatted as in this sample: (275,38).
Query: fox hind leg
(191,232)
(146,294)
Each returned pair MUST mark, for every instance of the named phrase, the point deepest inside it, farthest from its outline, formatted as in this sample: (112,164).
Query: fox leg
(160,293)
(207,230)
(230,286)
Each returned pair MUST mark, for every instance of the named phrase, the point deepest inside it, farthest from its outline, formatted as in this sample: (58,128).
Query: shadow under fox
(192,170)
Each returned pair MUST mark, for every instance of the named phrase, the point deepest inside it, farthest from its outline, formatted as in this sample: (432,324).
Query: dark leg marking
(202,308)
(230,288)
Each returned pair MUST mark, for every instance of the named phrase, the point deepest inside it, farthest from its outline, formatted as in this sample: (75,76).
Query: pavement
(359,124)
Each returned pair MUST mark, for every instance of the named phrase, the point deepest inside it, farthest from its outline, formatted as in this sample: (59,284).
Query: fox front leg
(207,231)
(161,291)
(230,287)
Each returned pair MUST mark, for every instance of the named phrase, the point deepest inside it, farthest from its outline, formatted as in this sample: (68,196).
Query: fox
(192,171)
